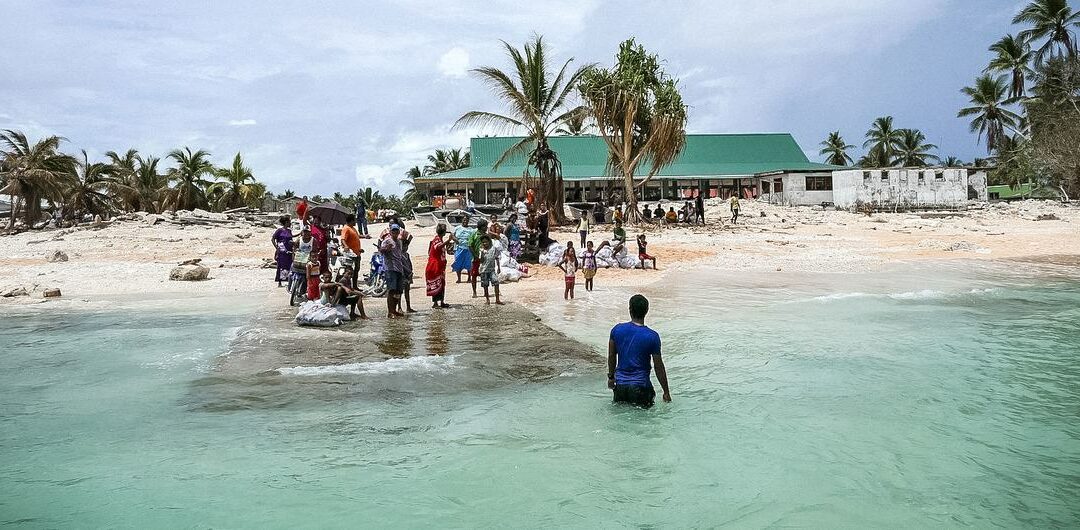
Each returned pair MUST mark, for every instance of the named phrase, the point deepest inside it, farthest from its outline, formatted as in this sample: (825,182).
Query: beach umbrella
(331,213)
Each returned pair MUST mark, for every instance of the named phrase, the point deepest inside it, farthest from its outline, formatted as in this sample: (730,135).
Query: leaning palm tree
(988,106)
(235,187)
(881,139)
(640,114)
(188,179)
(94,190)
(1052,20)
(409,182)
(1013,57)
(835,149)
(912,150)
(537,103)
(33,173)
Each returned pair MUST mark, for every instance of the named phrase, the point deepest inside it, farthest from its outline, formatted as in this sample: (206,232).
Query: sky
(336,96)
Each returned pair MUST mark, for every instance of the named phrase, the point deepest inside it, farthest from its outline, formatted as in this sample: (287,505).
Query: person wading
(631,347)
(390,247)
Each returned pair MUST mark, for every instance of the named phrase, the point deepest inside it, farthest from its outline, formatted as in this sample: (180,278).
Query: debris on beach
(190,271)
(12,292)
(56,256)
(52,292)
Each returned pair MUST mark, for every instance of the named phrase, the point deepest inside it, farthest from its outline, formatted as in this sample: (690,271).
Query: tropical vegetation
(537,102)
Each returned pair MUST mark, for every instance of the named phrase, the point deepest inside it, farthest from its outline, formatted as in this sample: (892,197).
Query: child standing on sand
(588,265)
(569,266)
(313,277)
(489,269)
(643,255)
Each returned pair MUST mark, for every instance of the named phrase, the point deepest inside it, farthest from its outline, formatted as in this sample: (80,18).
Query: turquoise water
(926,398)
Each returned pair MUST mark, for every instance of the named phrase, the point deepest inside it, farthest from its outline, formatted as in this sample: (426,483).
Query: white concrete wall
(795,193)
(903,188)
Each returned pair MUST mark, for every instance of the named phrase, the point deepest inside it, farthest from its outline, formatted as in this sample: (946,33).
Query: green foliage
(92,190)
(912,150)
(881,140)
(1012,56)
(835,149)
(1050,21)
(189,179)
(33,173)
(989,110)
(236,187)
(640,114)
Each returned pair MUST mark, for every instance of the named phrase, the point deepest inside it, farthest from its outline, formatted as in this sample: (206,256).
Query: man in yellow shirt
(734,209)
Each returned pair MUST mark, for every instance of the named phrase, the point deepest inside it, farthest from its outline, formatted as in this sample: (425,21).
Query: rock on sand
(189,273)
(55,256)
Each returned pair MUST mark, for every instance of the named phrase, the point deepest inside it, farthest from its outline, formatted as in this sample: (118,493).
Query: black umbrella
(331,213)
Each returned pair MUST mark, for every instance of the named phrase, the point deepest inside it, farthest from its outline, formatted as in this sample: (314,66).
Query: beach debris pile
(509,269)
(315,313)
(56,256)
(234,217)
(11,292)
(190,271)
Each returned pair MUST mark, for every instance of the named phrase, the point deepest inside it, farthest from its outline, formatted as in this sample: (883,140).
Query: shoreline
(129,261)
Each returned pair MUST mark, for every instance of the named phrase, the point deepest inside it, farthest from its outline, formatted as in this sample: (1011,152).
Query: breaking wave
(923,294)
(429,363)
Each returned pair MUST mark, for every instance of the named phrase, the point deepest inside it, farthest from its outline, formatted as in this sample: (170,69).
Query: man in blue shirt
(631,348)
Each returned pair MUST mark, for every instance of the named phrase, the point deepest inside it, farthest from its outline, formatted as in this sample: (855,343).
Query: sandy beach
(131,257)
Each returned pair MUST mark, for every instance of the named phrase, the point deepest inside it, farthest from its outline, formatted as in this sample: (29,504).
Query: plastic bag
(315,313)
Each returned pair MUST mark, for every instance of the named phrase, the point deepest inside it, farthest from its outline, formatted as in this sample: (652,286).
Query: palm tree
(873,158)
(881,140)
(575,125)
(188,179)
(952,161)
(33,173)
(988,106)
(122,169)
(834,148)
(912,149)
(236,186)
(287,194)
(1012,56)
(93,190)
(149,185)
(1051,20)
(537,104)
(444,160)
(640,114)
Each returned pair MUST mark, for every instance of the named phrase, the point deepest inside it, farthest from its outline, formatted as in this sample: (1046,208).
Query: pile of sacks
(605,259)
(315,313)
(509,269)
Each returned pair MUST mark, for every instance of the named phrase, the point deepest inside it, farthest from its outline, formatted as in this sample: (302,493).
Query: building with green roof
(719,165)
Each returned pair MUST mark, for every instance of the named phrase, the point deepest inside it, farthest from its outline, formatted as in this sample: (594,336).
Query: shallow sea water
(928,397)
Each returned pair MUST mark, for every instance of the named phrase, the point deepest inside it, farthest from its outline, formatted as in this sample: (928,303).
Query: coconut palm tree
(952,161)
(235,187)
(188,179)
(1013,57)
(835,149)
(537,103)
(122,168)
(640,114)
(33,173)
(576,125)
(1052,20)
(287,194)
(444,160)
(988,106)
(912,149)
(873,158)
(149,185)
(881,140)
(93,190)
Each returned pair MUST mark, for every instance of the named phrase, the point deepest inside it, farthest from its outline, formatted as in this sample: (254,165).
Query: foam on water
(432,363)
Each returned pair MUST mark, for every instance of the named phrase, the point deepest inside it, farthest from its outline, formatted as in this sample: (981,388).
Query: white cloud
(454,63)
(242,123)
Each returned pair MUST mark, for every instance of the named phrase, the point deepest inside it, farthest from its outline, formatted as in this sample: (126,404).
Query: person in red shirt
(301,210)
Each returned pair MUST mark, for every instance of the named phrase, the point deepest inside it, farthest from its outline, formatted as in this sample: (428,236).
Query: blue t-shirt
(634,346)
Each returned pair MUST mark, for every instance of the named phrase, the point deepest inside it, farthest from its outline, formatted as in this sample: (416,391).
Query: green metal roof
(705,156)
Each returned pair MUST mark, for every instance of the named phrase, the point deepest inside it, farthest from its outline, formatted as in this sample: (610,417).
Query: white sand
(131,257)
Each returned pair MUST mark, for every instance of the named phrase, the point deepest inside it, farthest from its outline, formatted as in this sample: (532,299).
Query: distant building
(768,166)
(717,165)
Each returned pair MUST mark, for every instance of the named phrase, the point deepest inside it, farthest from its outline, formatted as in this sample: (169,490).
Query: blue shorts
(395,282)
(489,278)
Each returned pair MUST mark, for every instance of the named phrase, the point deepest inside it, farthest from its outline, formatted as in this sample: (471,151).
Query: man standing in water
(631,347)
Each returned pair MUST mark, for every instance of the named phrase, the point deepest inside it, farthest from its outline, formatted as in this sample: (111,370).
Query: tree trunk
(632,215)
(14,210)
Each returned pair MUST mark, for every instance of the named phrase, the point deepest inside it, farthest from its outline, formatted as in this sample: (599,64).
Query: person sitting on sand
(569,266)
(313,267)
(631,347)
(646,213)
(644,256)
(341,292)
(489,269)
(588,265)
(658,213)
(671,217)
